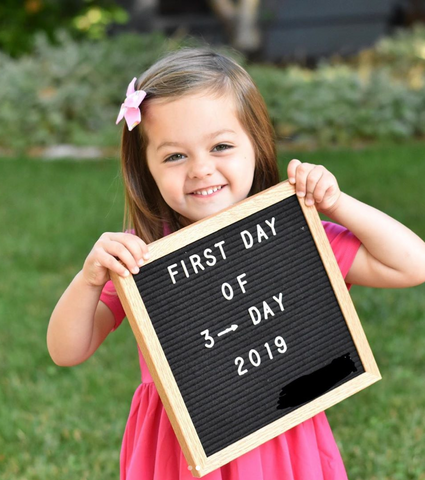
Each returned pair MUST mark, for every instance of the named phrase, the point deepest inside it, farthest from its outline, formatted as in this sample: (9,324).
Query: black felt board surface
(224,405)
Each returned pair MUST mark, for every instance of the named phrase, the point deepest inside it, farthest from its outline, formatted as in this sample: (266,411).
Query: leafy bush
(377,95)
(333,104)
(71,92)
(402,54)
(20,21)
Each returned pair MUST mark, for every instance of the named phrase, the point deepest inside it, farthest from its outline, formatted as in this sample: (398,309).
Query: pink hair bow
(130,108)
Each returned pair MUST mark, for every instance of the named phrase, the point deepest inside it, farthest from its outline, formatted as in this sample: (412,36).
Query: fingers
(104,259)
(292,168)
(314,183)
(135,245)
(121,253)
(127,248)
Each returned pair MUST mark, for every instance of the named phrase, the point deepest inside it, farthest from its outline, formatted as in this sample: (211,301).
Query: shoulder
(344,244)
(340,236)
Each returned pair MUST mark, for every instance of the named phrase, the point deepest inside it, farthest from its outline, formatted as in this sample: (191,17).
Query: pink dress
(150,450)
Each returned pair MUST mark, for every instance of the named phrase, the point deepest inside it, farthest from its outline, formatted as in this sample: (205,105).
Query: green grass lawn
(67,423)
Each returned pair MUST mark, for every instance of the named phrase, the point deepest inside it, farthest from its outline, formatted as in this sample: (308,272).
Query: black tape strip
(308,387)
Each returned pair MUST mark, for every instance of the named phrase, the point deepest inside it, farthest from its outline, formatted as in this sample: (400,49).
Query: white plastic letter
(184,268)
(267,311)
(279,301)
(172,272)
(195,260)
(271,225)
(227,291)
(211,260)
(208,338)
(247,239)
(242,283)
(254,312)
(219,245)
(261,234)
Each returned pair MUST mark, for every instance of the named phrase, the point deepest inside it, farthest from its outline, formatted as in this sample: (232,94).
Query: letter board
(247,326)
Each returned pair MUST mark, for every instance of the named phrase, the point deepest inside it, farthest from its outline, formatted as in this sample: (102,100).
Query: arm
(80,323)
(391,255)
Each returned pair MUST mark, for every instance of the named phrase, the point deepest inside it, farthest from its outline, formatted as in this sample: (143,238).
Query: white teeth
(207,192)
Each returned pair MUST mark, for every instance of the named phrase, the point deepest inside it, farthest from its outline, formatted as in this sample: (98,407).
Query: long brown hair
(189,71)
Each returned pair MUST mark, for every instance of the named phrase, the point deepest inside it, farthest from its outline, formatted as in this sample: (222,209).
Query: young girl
(198,139)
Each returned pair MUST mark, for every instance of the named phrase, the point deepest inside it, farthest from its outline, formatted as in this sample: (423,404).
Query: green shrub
(71,92)
(334,105)
(403,54)
(21,21)
(377,95)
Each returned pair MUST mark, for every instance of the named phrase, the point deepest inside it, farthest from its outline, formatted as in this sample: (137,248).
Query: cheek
(249,158)
(157,177)
(247,168)
(170,188)
(242,174)
(249,174)
(157,173)
(163,185)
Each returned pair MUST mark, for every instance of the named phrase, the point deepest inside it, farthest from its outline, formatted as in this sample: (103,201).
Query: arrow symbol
(230,329)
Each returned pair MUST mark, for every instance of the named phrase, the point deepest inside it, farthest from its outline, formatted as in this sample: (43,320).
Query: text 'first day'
(196,263)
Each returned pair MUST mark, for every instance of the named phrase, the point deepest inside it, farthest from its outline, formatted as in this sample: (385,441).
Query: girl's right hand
(106,254)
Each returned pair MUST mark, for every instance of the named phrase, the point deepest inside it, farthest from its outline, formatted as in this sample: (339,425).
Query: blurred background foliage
(70,88)
(21,21)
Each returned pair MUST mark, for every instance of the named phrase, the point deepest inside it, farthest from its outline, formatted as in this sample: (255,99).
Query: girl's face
(199,155)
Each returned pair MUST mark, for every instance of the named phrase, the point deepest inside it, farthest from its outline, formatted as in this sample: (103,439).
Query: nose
(201,166)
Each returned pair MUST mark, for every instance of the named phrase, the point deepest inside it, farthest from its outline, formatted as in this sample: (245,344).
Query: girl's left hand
(314,183)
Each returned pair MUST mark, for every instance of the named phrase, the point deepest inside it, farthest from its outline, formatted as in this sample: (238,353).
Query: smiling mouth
(208,191)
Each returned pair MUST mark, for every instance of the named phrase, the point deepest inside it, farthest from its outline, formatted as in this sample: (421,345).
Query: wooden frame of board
(143,329)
